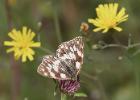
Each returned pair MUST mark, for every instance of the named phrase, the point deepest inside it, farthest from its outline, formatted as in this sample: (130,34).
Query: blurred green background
(109,74)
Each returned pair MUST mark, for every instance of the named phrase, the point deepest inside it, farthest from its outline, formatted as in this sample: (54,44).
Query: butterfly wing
(72,51)
(67,62)
(51,67)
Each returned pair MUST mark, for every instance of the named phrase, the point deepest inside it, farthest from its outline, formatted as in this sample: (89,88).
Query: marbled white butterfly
(66,63)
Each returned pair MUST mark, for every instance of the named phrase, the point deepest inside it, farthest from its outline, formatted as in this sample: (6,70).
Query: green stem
(63,96)
(56,23)
(137,81)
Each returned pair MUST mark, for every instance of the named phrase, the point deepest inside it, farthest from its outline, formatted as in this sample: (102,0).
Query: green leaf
(80,95)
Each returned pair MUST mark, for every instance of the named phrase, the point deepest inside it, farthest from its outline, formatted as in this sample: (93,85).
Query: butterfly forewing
(67,62)
(72,50)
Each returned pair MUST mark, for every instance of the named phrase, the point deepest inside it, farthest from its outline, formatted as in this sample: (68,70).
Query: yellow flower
(108,17)
(22,43)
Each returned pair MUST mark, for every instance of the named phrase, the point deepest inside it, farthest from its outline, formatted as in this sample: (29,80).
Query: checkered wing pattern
(67,62)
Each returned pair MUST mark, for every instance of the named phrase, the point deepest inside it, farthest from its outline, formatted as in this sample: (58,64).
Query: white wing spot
(62,46)
(63,75)
(66,47)
(74,48)
(71,49)
(50,65)
(78,65)
(79,53)
(42,69)
(57,62)
(45,74)
(56,69)
(72,55)
(52,74)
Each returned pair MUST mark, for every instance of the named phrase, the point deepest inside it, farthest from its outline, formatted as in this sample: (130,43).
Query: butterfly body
(66,63)
(69,68)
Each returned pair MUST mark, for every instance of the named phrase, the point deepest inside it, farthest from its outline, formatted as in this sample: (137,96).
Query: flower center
(110,23)
(24,44)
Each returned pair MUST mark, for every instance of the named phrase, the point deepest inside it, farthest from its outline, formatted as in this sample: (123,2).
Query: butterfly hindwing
(51,67)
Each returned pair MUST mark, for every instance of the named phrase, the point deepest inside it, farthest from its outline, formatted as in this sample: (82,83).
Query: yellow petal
(115,8)
(32,35)
(24,30)
(29,54)
(124,18)
(9,43)
(90,20)
(30,57)
(96,22)
(17,57)
(97,29)
(31,51)
(10,50)
(15,35)
(11,35)
(36,44)
(105,30)
(29,33)
(121,13)
(24,58)
(118,28)
(17,54)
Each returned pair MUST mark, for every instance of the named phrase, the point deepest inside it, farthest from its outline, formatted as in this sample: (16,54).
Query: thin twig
(114,45)
(134,45)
